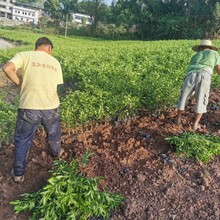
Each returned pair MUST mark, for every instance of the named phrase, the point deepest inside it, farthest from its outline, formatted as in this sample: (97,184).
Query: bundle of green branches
(69,195)
(201,147)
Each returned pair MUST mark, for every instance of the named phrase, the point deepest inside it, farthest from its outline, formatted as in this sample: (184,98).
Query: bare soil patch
(135,161)
(5,44)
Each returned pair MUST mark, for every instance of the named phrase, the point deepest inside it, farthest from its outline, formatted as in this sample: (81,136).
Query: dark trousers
(26,125)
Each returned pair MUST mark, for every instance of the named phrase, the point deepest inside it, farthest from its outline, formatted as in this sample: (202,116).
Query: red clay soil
(135,161)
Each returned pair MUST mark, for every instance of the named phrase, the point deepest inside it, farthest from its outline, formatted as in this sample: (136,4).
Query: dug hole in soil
(135,161)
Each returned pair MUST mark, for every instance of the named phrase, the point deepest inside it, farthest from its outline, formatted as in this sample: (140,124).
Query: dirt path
(135,161)
(5,44)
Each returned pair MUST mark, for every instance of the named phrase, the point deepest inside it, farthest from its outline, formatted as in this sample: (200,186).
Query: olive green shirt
(204,59)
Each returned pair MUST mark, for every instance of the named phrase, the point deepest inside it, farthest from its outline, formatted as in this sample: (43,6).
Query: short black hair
(43,41)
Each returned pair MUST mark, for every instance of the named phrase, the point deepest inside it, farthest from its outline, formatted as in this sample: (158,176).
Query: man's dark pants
(26,125)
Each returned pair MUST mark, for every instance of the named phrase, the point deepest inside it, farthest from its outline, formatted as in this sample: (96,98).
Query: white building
(15,11)
(6,8)
(25,14)
(78,18)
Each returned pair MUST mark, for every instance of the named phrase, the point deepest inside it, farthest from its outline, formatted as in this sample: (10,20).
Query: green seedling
(201,147)
(69,195)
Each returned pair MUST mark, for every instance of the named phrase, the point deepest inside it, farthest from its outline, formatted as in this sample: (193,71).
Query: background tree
(215,26)
(120,13)
(36,3)
(26,1)
(148,19)
(97,10)
(58,9)
(141,13)
(203,18)
(169,19)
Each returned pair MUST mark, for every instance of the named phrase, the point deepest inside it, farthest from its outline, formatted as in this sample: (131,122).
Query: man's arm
(217,67)
(10,71)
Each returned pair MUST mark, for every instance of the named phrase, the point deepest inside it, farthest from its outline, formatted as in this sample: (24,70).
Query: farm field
(119,102)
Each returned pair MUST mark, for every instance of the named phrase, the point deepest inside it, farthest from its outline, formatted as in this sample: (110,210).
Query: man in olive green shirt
(198,79)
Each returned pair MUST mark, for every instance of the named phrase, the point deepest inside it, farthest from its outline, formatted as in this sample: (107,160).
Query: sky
(108,2)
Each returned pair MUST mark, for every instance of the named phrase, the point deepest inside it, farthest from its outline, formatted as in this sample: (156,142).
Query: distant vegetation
(134,19)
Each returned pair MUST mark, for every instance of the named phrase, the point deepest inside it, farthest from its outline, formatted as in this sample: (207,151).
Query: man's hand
(218,69)
(10,71)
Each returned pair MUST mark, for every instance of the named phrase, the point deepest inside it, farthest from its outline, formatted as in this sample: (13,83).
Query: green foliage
(105,80)
(97,10)
(58,9)
(69,195)
(27,1)
(85,159)
(156,19)
(118,78)
(153,19)
(201,147)
(7,118)
(171,27)
(110,31)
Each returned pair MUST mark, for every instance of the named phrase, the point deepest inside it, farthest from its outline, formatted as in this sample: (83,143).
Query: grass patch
(8,112)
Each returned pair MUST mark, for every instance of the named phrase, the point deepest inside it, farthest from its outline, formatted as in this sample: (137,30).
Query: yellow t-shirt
(41,73)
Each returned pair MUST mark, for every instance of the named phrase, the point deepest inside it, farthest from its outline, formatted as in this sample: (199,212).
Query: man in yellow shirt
(38,101)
